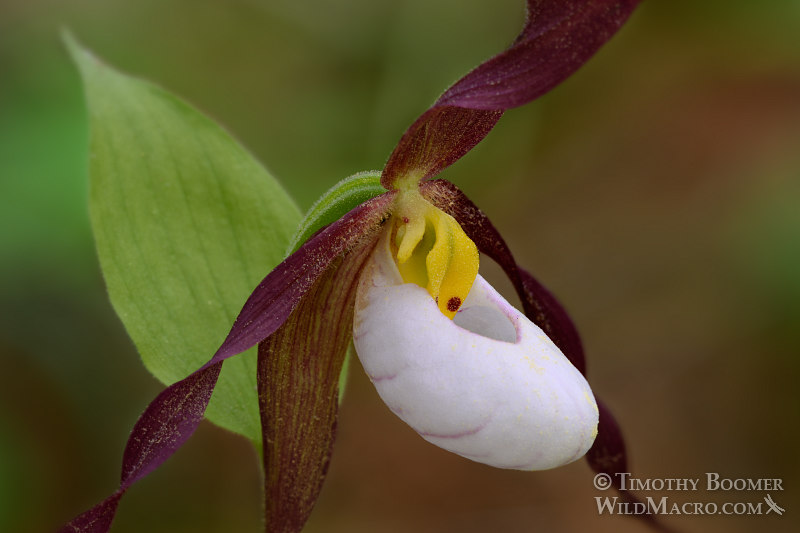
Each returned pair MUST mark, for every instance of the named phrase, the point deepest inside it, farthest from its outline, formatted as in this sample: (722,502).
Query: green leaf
(186,224)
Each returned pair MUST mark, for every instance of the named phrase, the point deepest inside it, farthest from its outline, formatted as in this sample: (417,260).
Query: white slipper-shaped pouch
(488,385)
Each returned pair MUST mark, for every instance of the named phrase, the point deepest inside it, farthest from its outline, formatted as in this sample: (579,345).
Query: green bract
(335,203)
(329,208)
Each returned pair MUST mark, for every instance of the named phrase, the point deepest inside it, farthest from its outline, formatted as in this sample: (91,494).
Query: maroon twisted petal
(607,454)
(176,412)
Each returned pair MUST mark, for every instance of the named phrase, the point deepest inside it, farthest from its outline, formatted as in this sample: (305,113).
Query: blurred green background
(657,192)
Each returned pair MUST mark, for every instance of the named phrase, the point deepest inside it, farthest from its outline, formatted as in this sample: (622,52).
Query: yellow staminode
(434,252)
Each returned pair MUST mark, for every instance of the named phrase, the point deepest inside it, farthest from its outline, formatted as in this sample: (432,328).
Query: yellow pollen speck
(533,366)
(590,401)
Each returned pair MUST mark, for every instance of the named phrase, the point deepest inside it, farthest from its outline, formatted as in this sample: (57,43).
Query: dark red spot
(453,304)
(405,219)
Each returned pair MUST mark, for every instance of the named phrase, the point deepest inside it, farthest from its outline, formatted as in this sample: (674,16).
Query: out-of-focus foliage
(655,192)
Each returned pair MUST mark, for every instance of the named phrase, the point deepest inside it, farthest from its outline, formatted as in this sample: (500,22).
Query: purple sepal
(175,413)
(436,140)
(558,37)
(298,377)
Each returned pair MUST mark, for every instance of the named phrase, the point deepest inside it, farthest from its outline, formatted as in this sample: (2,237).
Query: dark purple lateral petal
(546,312)
(608,456)
(558,37)
(96,520)
(298,376)
(165,426)
(167,423)
(176,412)
(279,293)
(539,305)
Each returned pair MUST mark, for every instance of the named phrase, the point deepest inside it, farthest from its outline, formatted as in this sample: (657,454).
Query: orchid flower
(391,265)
